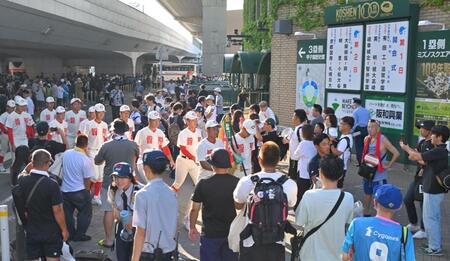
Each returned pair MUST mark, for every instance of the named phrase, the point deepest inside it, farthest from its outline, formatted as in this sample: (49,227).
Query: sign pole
(4,232)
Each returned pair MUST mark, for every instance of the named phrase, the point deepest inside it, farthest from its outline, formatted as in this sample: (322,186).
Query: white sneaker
(96,201)
(413,228)
(420,234)
(186,223)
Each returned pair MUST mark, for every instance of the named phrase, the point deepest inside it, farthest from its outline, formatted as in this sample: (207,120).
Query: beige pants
(205,174)
(70,141)
(183,167)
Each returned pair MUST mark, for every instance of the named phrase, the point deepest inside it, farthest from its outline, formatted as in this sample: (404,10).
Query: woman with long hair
(237,120)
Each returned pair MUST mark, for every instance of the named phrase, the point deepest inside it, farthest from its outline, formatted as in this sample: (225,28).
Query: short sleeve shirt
(73,122)
(245,146)
(47,115)
(213,114)
(97,134)
(436,161)
(18,123)
(205,148)
(147,139)
(345,146)
(60,125)
(190,140)
(77,166)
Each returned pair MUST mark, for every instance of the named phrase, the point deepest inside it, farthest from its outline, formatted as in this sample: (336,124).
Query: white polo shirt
(245,148)
(47,115)
(73,121)
(190,140)
(147,139)
(18,123)
(60,125)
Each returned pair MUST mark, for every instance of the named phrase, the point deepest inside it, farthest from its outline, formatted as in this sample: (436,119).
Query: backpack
(348,143)
(268,210)
(173,131)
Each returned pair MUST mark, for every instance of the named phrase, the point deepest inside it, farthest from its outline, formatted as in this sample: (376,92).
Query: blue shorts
(371,186)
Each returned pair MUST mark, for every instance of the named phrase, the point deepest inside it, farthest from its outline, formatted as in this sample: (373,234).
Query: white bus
(172,71)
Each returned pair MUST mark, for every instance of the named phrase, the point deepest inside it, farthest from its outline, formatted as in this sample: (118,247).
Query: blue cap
(154,157)
(199,108)
(389,196)
(122,170)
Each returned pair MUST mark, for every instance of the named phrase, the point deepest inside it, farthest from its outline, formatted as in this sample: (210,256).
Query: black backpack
(268,210)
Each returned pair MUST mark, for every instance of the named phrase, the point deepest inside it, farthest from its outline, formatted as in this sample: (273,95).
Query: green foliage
(436,3)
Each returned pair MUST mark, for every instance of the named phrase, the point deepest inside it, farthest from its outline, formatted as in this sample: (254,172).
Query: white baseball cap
(153,115)
(21,101)
(164,90)
(250,126)
(210,97)
(49,99)
(211,124)
(91,109)
(99,107)
(217,89)
(190,115)
(11,103)
(17,98)
(60,109)
(75,100)
(62,80)
(124,108)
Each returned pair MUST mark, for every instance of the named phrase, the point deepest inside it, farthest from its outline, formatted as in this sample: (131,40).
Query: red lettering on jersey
(208,152)
(47,117)
(149,139)
(17,121)
(160,141)
(241,148)
(189,141)
(94,131)
(72,120)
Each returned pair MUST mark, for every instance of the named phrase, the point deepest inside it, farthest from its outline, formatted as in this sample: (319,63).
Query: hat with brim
(211,124)
(426,124)
(250,126)
(219,158)
(389,196)
(49,100)
(75,100)
(122,170)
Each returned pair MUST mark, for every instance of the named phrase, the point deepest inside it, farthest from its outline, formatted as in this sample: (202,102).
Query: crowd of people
(65,160)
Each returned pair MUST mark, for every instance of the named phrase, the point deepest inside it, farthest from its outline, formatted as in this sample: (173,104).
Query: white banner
(310,86)
(342,103)
(386,57)
(390,114)
(344,57)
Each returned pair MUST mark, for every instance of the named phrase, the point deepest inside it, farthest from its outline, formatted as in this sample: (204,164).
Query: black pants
(81,201)
(303,185)
(255,163)
(270,252)
(410,206)
(292,172)
(151,257)
(359,142)
(124,250)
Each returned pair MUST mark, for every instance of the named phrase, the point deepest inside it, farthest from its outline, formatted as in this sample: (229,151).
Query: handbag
(369,166)
(236,227)
(298,241)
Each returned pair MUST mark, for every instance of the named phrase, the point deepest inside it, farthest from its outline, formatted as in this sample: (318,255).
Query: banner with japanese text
(342,103)
(389,112)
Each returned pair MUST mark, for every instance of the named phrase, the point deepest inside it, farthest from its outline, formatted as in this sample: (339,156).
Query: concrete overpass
(52,36)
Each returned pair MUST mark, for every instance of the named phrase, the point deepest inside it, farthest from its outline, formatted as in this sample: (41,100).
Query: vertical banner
(310,86)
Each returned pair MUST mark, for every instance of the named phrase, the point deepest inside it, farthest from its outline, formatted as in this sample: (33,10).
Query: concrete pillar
(134,57)
(180,58)
(214,28)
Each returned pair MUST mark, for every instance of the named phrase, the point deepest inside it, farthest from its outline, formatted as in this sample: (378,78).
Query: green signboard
(367,11)
(311,51)
(432,109)
(433,46)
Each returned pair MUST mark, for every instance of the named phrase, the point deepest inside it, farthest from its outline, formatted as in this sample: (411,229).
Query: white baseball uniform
(184,165)
(47,115)
(131,127)
(4,134)
(213,114)
(73,125)
(60,125)
(245,146)
(205,148)
(82,127)
(18,123)
(97,135)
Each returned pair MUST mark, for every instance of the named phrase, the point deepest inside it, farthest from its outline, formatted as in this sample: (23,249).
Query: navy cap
(199,108)
(357,100)
(154,157)
(426,124)
(389,196)
(122,170)
(270,122)
(219,158)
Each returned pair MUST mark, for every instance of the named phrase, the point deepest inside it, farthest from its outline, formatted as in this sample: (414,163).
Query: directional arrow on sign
(301,52)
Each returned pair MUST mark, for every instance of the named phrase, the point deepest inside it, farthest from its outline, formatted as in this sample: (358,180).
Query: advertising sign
(310,86)
(386,57)
(344,57)
(432,109)
(342,103)
(389,113)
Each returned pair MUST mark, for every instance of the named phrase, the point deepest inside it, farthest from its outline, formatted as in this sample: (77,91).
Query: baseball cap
(217,89)
(154,157)
(219,158)
(250,126)
(60,109)
(49,100)
(75,100)
(441,130)
(389,196)
(210,97)
(211,124)
(99,107)
(21,101)
(153,115)
(426,124)
(270,122)
(124,108)
(42,128)
(91,109)
(122,170)
(11,103)
(199,108)
(190,115)
(235,106)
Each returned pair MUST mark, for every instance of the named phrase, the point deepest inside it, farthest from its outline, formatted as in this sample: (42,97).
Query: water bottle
(126,235)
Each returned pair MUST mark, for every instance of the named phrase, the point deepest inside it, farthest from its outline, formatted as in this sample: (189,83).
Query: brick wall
(284,59)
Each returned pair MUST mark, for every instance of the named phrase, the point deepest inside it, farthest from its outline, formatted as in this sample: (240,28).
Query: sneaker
(413,228)
(420,234)
(433,252)
(96,201)
(186,223)
(291,212)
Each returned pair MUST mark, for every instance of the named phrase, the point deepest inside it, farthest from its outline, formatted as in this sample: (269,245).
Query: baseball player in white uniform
(90,117)
(97,132)
(73,118)
(19,125)
(245,141)
(187,161)
(206,147)
(211,110)
(125,116)
(10,106)
(151,138)
(59,123)
(49,113)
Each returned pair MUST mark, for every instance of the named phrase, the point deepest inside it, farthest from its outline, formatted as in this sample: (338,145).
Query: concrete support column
(214,28)
(134,57)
